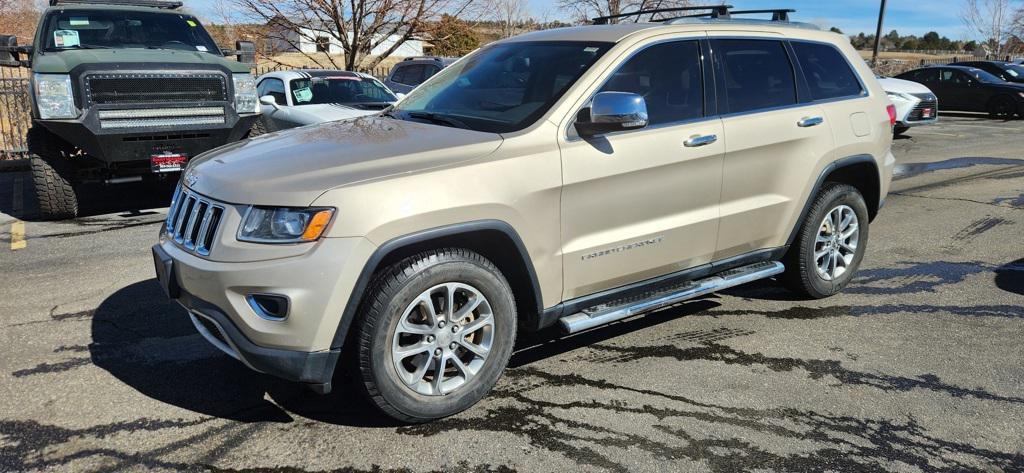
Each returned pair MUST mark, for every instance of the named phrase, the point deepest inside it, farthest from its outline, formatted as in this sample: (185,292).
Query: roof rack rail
(717,11)
(778,14)
(419,58)
(165,4)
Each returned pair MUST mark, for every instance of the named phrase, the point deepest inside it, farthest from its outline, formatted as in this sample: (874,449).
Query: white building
(312,40)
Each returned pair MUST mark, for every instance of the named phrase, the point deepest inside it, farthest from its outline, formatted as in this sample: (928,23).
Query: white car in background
(915,104)
(303,97)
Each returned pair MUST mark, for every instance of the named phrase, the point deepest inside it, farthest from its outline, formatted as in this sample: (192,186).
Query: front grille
(118,89)
(192,221)
(927,101)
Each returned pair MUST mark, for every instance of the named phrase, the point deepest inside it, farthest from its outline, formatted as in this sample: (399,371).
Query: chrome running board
(666,296)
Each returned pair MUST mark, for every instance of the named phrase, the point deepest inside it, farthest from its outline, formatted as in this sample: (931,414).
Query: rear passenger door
(774,142)
(644,203)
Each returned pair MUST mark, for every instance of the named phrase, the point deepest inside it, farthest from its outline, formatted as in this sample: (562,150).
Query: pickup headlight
(54,96)
(246,100)
(283,224)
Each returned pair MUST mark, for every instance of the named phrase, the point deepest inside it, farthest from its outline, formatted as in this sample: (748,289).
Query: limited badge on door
(168,162)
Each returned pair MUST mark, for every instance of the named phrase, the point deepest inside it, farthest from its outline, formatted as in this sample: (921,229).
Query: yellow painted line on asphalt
(18,241)
(18,235)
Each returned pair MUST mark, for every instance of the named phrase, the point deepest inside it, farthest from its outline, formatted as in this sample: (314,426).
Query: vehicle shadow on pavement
(17,196)
(150,344)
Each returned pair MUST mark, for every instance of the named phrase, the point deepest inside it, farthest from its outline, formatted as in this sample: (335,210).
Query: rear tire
(404,342)
(830,243)
(1003,107)
(52,175)
(899,130)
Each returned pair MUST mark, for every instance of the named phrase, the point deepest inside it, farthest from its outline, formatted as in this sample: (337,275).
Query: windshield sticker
(79,21)
(303,94)
(202,48)
(65,38)
(192,23)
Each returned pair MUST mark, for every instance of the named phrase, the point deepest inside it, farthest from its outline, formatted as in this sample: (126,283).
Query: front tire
(830,243)
(435,334)
(1003,107)
(899,130)
(52,175)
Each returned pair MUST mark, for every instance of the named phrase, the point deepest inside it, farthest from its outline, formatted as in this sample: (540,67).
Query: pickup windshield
(501,88)
(125,29)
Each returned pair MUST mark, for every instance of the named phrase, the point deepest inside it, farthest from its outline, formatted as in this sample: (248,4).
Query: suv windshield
(123,29)
(501,88)
(339,89)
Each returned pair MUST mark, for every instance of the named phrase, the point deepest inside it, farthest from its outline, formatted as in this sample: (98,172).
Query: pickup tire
(435,332)
(830,243)
(258,128)
(52,175)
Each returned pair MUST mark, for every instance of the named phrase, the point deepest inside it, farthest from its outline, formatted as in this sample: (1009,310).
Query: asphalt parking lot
(918,366)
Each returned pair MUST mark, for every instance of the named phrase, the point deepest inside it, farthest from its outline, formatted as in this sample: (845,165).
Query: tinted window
(953,77)
(758,74)
(921,75)
(273,88)
(409,75)
(668,76)
(827,71)
(502,87)
(429,72)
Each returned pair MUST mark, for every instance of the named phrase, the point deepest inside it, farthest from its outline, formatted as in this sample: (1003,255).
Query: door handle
(808,122)
(700,140)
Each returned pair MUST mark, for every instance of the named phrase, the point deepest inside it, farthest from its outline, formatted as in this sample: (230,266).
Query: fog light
(269,306)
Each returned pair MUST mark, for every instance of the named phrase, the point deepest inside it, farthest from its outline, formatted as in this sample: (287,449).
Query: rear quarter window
(828,73)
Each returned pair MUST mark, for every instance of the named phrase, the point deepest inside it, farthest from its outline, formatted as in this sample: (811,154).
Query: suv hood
(62,62)
(903,86)
(294,167)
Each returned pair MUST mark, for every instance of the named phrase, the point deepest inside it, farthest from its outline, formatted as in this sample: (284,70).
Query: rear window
(828,74)
(758,74)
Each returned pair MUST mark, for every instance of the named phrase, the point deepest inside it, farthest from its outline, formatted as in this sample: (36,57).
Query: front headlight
(54,96)
(900,96)
(283,224)
(246,100)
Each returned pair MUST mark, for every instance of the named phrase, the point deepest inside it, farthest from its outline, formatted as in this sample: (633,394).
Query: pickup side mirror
(610,112)
(246,51)
(12,55)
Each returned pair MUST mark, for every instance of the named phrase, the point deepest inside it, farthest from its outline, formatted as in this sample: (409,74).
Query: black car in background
(968,89)
(1007,71)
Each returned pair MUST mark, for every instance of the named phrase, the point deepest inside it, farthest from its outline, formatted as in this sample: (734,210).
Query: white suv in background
(915,104)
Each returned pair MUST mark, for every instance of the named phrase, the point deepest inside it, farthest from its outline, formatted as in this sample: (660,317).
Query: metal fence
(16,112)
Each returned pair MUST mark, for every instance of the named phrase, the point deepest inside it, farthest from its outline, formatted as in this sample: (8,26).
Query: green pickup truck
(126,91)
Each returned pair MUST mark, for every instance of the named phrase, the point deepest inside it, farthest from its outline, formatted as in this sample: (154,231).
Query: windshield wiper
(439,118)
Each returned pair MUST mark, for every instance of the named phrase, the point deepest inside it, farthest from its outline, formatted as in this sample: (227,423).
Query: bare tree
(511,15)
(995,22)
(584,10)
(358,26)
(19,18)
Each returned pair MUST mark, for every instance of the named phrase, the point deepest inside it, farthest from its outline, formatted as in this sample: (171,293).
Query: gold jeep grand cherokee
(574,176)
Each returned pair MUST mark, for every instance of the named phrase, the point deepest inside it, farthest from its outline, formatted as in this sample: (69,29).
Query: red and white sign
(167,162)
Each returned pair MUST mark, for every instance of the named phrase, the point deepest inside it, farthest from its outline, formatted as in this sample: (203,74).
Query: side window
(925,76)
(828,73)
(398,75)
(669,78)
(953,77)
(274,88)
(758,74)
(429,72)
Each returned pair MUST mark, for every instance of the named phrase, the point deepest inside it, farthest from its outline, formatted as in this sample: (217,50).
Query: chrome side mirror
(610,112)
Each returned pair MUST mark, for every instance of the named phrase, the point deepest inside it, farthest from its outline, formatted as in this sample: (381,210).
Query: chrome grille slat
(193,220)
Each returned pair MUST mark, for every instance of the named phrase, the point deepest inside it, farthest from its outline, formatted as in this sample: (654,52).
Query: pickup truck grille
(116,89)
(193,220)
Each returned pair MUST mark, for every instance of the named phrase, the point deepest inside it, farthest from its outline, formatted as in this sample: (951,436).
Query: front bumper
(301,346)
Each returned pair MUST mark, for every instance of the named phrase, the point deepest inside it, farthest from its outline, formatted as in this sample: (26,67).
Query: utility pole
(878,34)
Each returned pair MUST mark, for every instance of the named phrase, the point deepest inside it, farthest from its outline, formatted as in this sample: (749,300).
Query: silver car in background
(303,97)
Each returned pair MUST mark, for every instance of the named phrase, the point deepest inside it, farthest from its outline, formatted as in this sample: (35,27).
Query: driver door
(643,203)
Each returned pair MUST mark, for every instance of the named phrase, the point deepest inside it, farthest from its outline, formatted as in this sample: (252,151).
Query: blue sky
(852,16)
